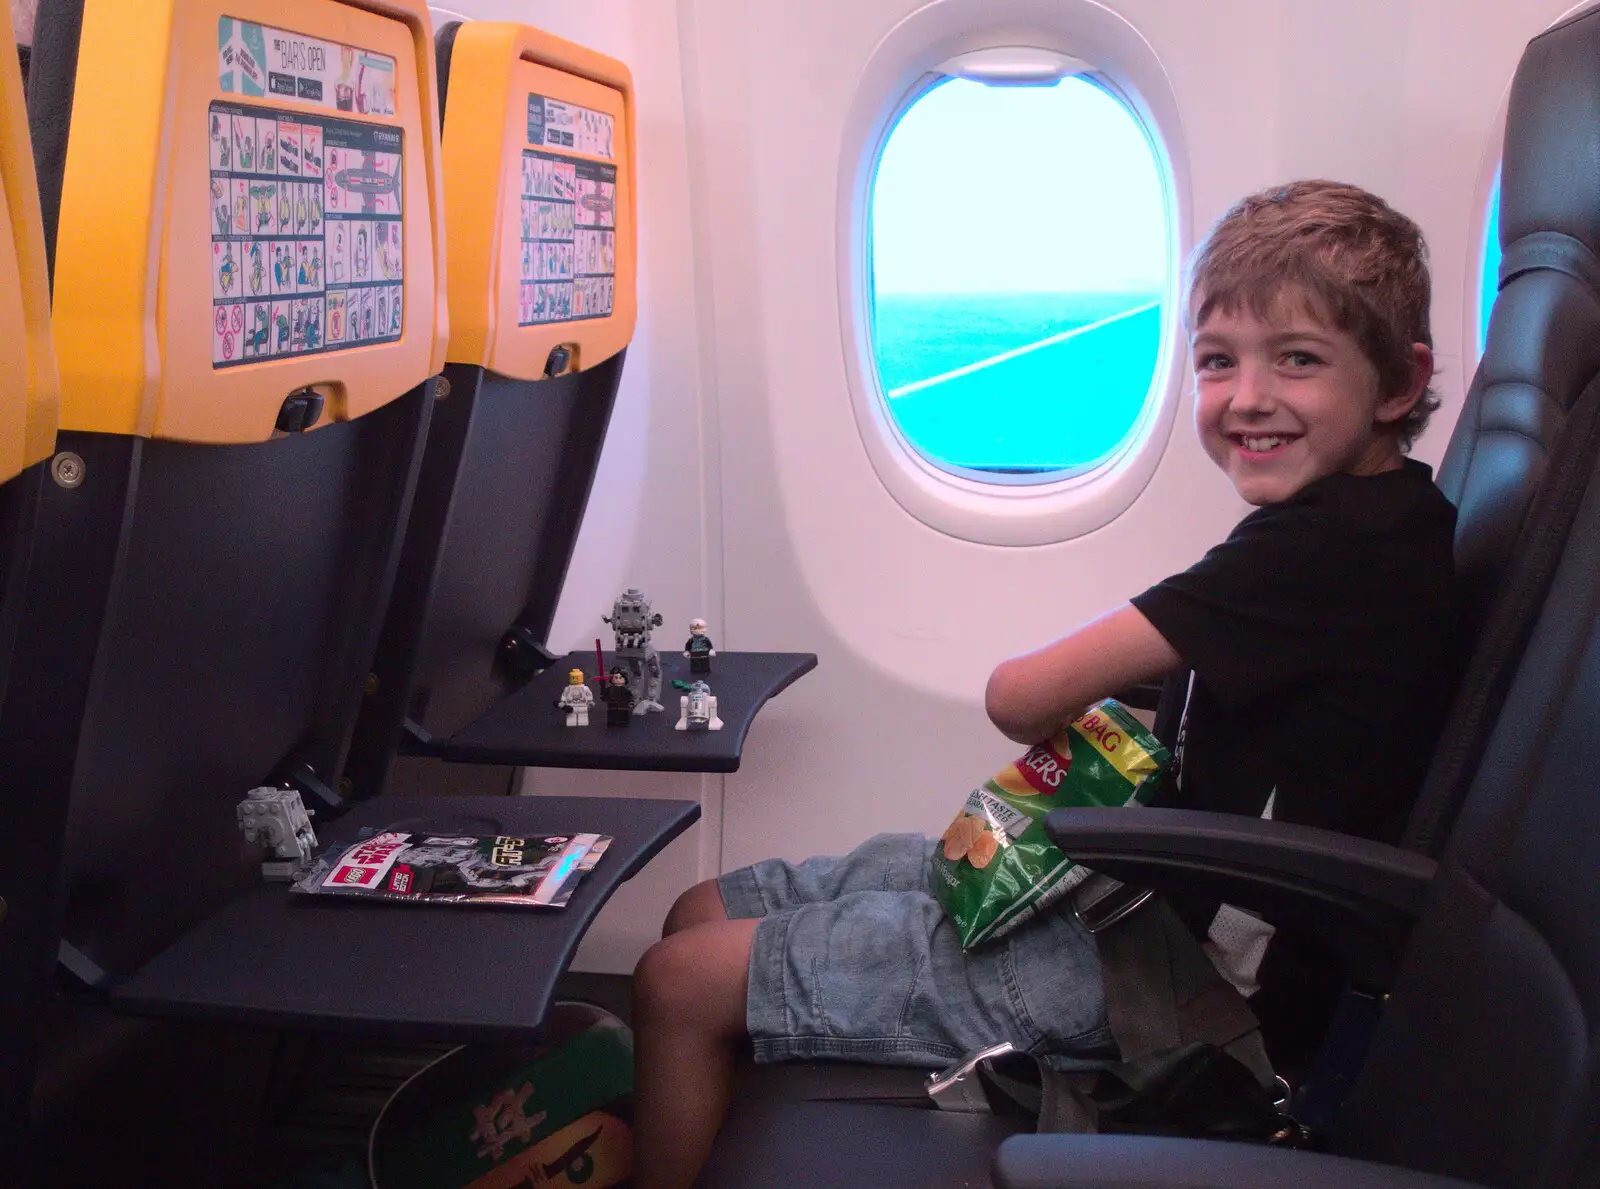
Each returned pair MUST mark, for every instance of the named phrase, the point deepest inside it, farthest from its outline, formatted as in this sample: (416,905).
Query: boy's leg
(689,1015)
(886,862)
(694,1005)
(700,904)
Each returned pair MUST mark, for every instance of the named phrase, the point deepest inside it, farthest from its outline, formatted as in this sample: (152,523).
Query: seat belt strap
(1162,992)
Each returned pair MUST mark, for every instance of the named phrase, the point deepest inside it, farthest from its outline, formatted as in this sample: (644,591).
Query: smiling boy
(1319,636)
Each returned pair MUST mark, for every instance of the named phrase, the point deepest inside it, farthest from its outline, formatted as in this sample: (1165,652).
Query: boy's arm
(1031,697)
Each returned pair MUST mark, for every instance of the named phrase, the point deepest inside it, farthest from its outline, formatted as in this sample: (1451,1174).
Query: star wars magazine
(534,872)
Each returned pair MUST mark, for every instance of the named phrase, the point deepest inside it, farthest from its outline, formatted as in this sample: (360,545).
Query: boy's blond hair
(1361,263)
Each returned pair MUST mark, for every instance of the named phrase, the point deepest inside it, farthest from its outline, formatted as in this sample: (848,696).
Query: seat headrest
(1550,175)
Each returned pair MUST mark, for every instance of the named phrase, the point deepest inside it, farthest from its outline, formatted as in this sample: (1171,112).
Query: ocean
(1066,404)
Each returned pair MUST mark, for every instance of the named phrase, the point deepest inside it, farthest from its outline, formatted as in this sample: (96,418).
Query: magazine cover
(533,872)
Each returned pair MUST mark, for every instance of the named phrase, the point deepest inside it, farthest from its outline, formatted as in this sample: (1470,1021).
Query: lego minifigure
(619,699)
(576,699)
(632,619)
(697,709)
(698,647)
(279,820)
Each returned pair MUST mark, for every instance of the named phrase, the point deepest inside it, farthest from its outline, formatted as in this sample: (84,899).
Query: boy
(1320,636)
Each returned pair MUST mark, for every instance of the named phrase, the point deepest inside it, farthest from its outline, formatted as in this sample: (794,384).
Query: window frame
(983,506)
(1476,332)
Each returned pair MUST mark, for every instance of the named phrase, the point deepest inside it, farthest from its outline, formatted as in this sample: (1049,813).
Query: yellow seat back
(540,204)
(29,387)
(250,209)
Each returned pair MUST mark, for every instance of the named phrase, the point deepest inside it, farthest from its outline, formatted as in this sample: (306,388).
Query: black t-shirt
(1322,637)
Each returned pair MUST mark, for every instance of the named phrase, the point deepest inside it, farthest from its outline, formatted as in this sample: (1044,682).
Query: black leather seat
(1526,416)
(1518,464)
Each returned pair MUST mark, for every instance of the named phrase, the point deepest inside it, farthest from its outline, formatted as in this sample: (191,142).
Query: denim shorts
(854,959)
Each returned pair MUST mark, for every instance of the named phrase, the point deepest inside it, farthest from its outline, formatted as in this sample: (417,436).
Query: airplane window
(1489,277)
(1019,275)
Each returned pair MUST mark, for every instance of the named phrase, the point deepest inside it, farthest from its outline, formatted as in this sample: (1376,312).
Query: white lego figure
(280,821)
(697,709)
(576,699)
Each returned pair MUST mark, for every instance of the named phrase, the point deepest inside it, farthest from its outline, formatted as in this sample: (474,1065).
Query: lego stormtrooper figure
(576,699)
(631,619)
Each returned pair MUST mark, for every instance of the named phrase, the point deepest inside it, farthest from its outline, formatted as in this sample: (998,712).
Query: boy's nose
(1252,392)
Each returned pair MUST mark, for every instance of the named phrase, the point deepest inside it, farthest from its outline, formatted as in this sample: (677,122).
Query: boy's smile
(1281,403)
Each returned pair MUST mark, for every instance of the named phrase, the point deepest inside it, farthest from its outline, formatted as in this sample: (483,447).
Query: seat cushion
(766,1143)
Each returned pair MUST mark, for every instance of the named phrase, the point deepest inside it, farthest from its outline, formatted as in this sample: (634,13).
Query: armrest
(1147,1162)
(1360,897)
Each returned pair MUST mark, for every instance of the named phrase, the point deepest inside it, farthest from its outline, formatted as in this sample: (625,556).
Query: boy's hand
(1031,697)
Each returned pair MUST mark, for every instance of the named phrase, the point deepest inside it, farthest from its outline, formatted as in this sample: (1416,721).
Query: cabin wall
(734,483)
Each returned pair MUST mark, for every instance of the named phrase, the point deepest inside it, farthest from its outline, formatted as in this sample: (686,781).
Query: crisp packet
(997,868)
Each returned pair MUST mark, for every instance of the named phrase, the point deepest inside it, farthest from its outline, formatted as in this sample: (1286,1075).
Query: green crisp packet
(997,868)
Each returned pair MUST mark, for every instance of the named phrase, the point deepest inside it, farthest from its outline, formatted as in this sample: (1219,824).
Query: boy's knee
(701,903)
(691,979)
(665,984)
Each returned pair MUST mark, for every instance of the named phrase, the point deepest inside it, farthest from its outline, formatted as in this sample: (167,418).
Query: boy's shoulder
(1402,503)
(1344,540)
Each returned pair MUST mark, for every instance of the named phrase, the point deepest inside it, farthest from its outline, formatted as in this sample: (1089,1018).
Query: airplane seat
(1518,461)
(29,399)
(243,425)
(538,150)
(1483,1067)
(1528,414)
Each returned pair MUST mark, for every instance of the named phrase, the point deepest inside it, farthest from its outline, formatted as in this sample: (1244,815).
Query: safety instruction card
(306,218)
(569,215)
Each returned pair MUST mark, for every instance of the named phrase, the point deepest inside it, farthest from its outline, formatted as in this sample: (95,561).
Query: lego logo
(355,875)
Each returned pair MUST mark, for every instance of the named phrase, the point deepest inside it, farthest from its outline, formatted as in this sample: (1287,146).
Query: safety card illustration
(569,239)
(306,213)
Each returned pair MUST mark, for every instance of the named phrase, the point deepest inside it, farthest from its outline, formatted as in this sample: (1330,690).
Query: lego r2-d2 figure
(697,709)
(576,699)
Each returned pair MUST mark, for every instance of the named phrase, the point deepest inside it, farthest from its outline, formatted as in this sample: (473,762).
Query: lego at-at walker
(631,619)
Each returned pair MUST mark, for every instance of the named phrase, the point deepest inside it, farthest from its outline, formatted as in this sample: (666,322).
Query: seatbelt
(1195,1090)
(1192,1059)
(1162,992)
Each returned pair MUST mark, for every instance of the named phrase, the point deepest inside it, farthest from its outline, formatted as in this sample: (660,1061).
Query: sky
(1018,189)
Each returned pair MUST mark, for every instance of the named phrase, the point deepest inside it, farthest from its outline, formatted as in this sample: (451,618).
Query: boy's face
(1283,402)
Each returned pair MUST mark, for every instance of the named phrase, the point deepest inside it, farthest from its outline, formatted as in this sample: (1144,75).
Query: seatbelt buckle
(1099,902)
(957,1088)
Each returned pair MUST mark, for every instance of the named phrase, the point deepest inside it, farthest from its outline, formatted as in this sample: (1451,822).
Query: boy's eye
(1212,362)
(1301,359)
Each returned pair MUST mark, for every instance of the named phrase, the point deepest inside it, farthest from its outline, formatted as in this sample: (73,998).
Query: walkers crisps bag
(997,868)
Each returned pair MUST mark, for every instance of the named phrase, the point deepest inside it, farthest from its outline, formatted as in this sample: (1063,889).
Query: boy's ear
(1396,405)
